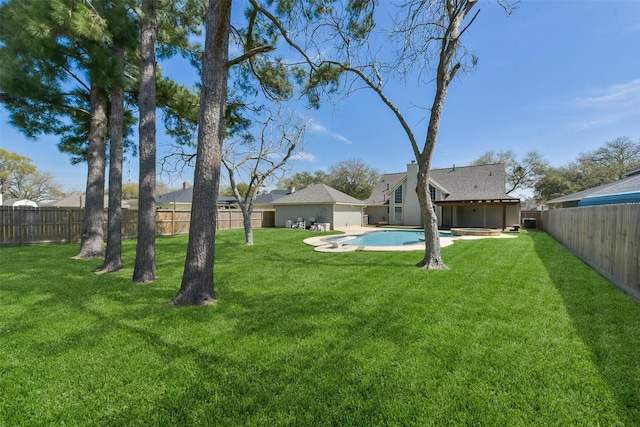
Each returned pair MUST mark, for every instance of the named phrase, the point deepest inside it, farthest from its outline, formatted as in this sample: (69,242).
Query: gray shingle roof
(625,185)
(481,182)
(269,198)
(388,182)
(632,172)
(316,194)
(466,183)
(79,201)
(184,195)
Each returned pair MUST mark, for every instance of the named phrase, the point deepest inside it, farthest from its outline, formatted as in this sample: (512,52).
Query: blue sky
(557,77)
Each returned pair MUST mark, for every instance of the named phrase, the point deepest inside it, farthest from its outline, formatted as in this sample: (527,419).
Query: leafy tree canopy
(521,173)
(591,169)
(20,179)
(353,177)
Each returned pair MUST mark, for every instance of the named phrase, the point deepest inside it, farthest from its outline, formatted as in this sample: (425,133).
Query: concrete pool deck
(321,244)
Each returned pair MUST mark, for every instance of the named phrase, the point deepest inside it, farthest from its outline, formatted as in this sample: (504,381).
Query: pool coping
(321,245)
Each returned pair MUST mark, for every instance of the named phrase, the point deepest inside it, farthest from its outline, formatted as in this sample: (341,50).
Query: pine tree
(54,79)
(145,268)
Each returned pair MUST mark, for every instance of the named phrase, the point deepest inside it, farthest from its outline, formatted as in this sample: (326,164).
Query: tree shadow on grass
(125,359)
(607,320)
(283,354)
(297,338)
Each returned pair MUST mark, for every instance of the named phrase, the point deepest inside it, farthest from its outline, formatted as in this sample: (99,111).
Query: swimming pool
(385,238)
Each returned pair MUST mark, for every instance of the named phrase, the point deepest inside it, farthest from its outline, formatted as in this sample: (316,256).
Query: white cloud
(318,128)
(305,156)
(611,96)
(606,106)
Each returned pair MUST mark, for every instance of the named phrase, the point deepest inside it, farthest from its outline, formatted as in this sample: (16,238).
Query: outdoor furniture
(321,226)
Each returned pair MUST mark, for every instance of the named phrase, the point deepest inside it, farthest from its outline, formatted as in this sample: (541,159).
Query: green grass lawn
(517,333)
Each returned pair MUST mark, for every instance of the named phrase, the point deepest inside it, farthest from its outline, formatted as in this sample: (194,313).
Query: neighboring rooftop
(79,201)
(632,172)
(269,198)
(630,184)
(18,203)
(318,194)
(185,196)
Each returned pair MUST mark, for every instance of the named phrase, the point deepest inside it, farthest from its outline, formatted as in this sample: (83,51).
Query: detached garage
(319,204)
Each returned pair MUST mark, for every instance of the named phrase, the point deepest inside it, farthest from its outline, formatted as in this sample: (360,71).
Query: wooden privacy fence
(536,216)
(26,226)
(605,237)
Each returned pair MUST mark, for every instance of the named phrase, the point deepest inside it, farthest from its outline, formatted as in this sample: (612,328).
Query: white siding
(412,212)
(513,215)
(336,215)
(377,213)
(321,213)
(347,216)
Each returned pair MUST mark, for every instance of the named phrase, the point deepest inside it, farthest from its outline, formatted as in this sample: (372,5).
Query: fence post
(70,224)
(19,226)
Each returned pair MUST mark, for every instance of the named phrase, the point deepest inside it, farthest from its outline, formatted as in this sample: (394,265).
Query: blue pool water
(386,238)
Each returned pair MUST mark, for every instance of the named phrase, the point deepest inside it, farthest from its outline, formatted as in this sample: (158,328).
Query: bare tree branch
(253,52)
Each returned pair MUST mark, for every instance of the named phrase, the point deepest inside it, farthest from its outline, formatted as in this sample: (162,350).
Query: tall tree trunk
(197,286)
(246,220)
(432,257)
(446,70)
(246,204)
(145,267)
(113,257)
(92,239)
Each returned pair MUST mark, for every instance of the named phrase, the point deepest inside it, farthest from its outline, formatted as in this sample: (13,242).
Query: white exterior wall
(347,216)
(336,215)
(485,216)
(512,215)
(377,213)
(321,213)
(467,216)
(392,207)
(412,212)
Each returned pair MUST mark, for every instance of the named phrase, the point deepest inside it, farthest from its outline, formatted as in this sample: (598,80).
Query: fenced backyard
(605,237)
(28,226)
(531,219)
(528,337)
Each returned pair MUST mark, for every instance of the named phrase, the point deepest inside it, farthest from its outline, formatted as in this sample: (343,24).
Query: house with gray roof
(469,196)
(265,201)
(18,202)
(625,189)
(182,199)
(320,204)
(80,200)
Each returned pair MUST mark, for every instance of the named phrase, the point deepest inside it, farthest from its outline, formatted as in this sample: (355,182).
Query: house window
(432,192)
(398,195)
(398,214)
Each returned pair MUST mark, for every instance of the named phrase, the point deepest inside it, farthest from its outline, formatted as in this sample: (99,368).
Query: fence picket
(605,237)
(27,226)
